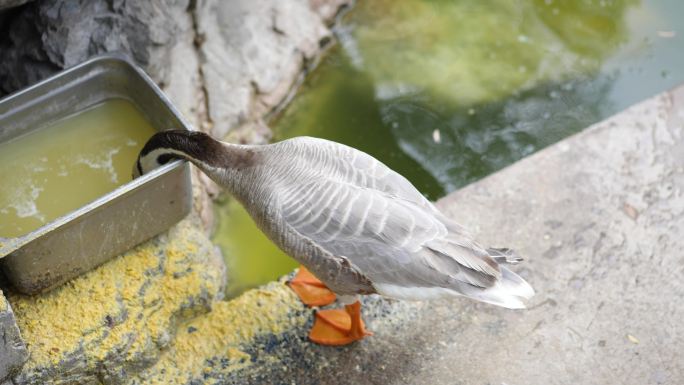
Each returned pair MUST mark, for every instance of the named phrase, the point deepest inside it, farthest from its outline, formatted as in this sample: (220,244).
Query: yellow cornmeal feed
(136,303)
(222,333)
(135,296)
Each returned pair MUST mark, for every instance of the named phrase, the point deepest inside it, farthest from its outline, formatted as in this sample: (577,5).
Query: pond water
(447,92)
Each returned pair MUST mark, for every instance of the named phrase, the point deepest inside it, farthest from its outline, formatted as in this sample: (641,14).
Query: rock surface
(4,4)
(221,63)
(600,218)
(44,37)
(113,322)
(13,352)
(252,51)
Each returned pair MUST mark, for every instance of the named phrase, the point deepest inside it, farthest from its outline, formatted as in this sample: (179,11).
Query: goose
(356,226)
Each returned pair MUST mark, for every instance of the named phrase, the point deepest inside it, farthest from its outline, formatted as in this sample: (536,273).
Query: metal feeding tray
(130,214)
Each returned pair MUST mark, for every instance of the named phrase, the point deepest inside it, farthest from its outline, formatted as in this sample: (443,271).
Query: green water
(447,92)
(251,258)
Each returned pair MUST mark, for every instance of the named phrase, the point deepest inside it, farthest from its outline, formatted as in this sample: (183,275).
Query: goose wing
(385,228)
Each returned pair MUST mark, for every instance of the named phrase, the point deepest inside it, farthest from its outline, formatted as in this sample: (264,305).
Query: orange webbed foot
(310,289)
(339,327)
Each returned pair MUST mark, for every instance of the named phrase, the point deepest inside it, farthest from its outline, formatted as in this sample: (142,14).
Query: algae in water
(251,258)
(468,52)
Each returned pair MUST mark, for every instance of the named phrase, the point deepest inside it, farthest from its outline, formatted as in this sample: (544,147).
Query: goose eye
(165,158)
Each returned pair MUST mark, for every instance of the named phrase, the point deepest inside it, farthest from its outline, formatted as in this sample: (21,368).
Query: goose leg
(339,327)
(310,289)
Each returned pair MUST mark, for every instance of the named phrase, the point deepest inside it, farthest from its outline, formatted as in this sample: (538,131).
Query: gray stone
(252,53)
(47,36)
(599,218)
(221,63)
(4,4)
(53,34)
(328,9)
(13,351)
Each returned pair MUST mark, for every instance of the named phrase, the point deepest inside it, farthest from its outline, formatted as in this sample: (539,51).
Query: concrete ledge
(600,217)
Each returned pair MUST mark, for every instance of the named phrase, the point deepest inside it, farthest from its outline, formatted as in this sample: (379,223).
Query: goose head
(165,146)
(215,158)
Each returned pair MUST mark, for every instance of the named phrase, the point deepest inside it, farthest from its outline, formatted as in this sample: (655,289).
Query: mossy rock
(115,320)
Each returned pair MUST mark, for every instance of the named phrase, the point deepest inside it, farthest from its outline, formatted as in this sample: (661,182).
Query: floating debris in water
(436,136)
(667,34)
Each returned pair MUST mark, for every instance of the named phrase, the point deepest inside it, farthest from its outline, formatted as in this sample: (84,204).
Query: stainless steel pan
(117,221)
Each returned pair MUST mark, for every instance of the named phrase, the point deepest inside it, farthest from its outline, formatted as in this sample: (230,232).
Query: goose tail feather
(504,255)
(510,291)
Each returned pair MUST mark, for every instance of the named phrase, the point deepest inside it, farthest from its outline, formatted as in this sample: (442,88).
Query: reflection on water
(469,52)
(252,259)
(446,92)
(457,146)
